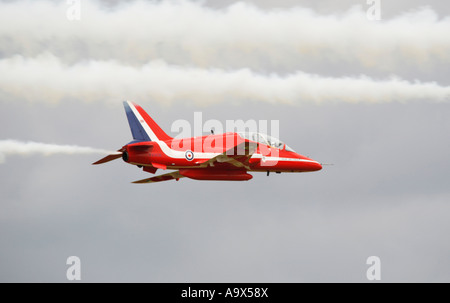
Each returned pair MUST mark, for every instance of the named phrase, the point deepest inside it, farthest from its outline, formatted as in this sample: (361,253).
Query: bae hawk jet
(229,156)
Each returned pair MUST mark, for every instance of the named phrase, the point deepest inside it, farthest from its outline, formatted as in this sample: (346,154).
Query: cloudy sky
(371,97)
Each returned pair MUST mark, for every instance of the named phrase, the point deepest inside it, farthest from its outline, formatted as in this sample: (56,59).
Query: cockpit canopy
(265,139)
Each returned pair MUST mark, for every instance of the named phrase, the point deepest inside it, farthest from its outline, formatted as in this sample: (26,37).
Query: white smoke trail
(46,78)
(14,147)
(240,35)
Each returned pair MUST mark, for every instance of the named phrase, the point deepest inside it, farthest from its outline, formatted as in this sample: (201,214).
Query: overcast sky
(371,97)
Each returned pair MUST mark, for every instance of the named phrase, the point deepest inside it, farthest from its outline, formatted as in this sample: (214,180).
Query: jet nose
(309,164)
(316,166)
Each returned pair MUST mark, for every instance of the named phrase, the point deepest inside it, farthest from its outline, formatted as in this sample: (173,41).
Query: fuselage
(194,152)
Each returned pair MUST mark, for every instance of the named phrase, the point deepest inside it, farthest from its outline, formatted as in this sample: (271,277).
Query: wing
(166,177)
(238,155)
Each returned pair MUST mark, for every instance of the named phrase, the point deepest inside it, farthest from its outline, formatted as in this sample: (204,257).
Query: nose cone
(311,164)
(315,166)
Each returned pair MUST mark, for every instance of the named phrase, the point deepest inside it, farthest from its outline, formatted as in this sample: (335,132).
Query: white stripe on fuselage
(260,156)
(176,154)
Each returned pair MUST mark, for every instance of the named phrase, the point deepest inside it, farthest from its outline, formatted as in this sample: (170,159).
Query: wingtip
(143,181)
(138,182)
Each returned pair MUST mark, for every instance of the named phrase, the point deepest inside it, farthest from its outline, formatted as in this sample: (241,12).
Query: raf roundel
(189,155)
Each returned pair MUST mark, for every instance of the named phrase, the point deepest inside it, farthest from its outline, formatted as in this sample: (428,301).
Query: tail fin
(142,126)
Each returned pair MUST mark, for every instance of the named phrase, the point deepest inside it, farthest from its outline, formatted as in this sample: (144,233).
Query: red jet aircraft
(228,156)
